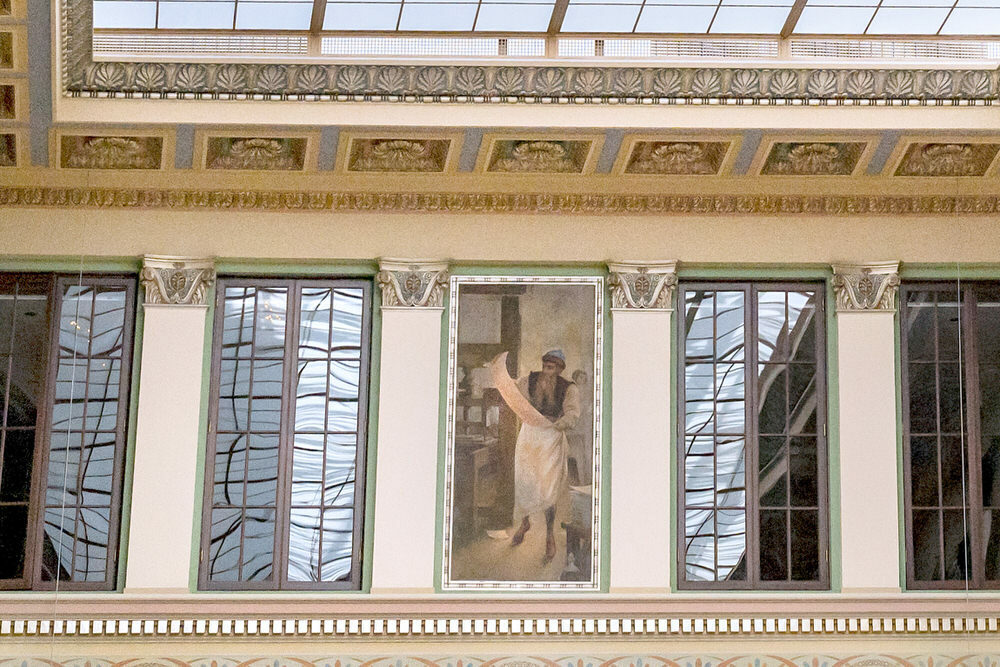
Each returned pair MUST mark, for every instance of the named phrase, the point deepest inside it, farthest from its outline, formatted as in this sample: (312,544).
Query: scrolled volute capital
(866,287)
(178,281)
(412,283)
(642,285)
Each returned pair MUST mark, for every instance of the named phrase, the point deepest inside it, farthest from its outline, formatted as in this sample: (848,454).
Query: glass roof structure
(561,17)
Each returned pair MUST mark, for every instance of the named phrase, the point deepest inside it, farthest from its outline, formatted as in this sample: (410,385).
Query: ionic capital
(642,285)
(179,281)
(866,287)
(412,283)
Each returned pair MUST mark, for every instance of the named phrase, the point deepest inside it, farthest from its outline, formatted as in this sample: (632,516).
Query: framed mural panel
(523,448)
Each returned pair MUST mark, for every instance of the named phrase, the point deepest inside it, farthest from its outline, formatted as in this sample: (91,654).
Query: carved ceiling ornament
(111,152)
(255,153)
(947,159)
(179,281)
(642,285)
(417,155)
(549,157)
(866,287)
(412,283)
(816,158)
(676,157)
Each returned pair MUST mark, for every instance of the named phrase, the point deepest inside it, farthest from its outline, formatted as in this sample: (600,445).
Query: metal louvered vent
(431,46)
(872,49)
(119,44)
(669,48)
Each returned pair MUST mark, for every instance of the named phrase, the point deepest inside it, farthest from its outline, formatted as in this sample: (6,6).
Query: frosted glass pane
(599,18)
(604,2)
(916,3)
(834,20)
(842,3)
(757,3)
(437,17)
(675,19)
(273,16)
(682,4)
(980,3)
(896,20)
(514,18)
(752,20)
(124,14)
(197,15)
(973,22)
(358,16)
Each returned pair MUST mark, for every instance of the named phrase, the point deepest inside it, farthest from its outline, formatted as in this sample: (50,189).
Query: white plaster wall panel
(165,481)
(869,516)
(640,452)
(407,456)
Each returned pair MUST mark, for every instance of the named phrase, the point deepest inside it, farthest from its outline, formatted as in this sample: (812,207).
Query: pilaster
(409,402)
(641,310)
(165,481)
(869,516)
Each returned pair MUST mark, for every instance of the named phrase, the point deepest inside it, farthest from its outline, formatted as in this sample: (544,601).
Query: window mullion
(751,436)
(286,444)
(973,446)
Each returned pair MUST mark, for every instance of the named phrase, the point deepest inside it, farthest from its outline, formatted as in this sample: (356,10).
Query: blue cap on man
(555,356)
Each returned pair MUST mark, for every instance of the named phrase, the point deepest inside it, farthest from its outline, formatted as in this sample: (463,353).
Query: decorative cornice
(412,283)
(82,77)
(495,202)
(176,280)
(512,628)
(642,285)
(866,287)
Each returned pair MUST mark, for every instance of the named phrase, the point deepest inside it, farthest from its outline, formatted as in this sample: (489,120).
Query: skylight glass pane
(361,16)
(514,18)
(194,15)
(916,3)
(656,18)
(752,20)
(600,18)
(273,15)
(834,20)
(973,21)
(433,16)
(124,14)
(907,21)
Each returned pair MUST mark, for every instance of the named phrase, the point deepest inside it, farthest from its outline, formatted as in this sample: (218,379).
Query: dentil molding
(642,285)
(180,281)
(412,283)
(866,287)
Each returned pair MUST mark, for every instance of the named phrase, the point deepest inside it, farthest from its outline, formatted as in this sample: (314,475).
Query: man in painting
(553,407)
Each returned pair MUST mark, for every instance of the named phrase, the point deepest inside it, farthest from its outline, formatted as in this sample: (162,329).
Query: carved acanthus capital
(181,281)
(642,285)
(412,284)
(866,287)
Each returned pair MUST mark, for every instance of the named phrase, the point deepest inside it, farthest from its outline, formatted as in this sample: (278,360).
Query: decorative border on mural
(576,660)
(484,202)
(82,77)
(368,628)
(593,583)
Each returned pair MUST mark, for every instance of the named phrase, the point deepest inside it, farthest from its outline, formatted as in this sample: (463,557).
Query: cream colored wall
(497,238)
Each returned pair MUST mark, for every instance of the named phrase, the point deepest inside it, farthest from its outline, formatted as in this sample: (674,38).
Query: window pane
(86,434)
(306,434)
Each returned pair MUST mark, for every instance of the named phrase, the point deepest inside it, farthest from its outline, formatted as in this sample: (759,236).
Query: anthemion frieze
(475,83)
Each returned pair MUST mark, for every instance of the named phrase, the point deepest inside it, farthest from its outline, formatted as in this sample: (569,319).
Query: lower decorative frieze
(752,660)
(437,202)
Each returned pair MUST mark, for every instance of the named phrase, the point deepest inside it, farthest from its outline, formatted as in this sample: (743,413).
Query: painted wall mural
(523,443)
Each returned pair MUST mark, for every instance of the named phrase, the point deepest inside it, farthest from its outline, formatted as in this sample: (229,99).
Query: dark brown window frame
(753,582)
(40,462)
(969,368)
(279,580)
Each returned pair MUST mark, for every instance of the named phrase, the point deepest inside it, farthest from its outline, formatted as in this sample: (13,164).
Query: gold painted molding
(503,202)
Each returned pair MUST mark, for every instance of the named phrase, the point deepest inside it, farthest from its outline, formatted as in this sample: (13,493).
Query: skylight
(560,17)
